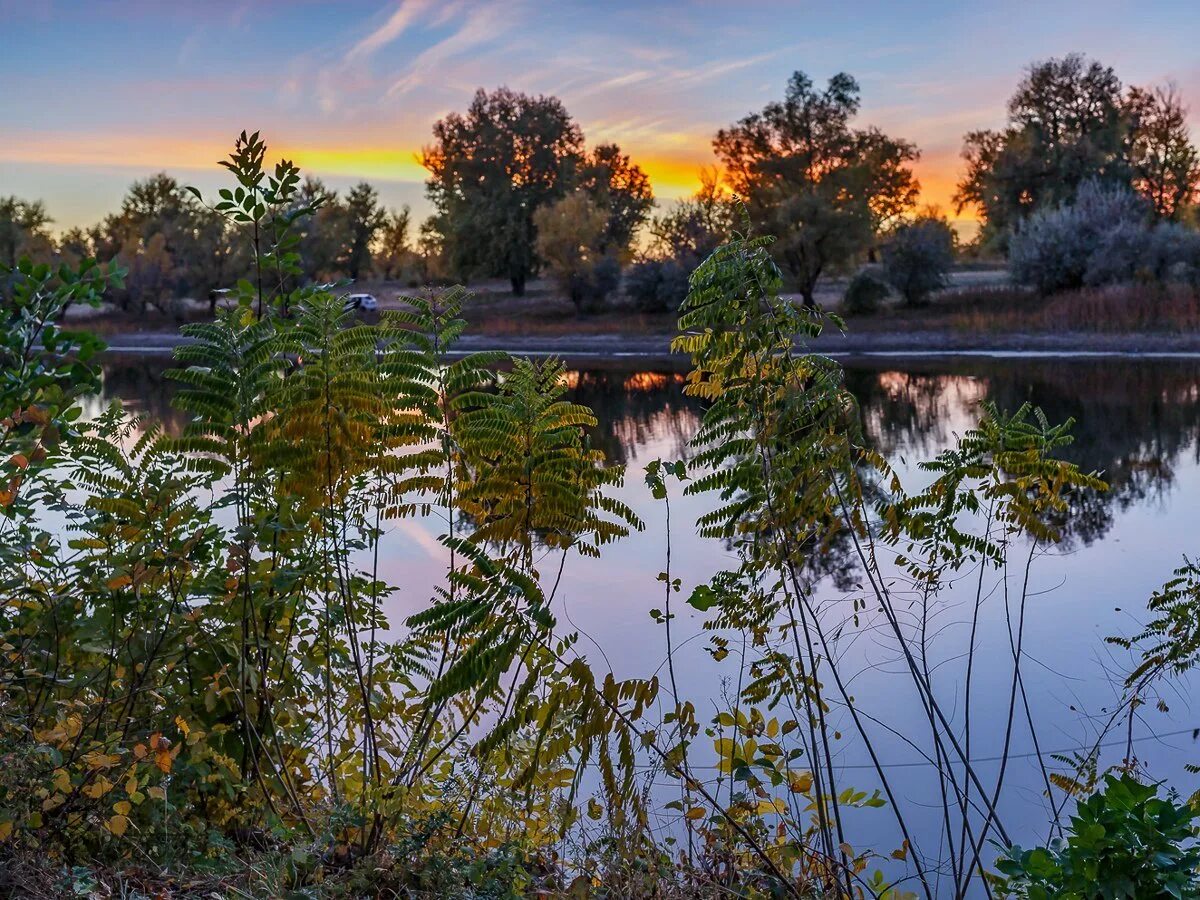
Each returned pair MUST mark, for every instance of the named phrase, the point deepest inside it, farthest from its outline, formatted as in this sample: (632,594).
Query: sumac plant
(198,681)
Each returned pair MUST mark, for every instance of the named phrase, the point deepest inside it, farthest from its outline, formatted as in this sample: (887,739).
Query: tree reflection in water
(1135,419)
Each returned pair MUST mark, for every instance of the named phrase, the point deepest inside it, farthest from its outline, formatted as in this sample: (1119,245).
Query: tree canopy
(490,169)
(1071,121)
(819,186)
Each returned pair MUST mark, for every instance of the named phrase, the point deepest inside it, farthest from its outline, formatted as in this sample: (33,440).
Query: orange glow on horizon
(673,175)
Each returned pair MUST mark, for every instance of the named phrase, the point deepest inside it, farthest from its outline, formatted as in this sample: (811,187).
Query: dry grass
(1126,309)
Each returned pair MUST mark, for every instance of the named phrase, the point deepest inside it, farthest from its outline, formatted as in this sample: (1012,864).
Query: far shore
(909,343)
(980,314)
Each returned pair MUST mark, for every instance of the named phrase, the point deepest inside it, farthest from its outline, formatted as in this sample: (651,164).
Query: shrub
(1067,247)
(1122,254)
(917,258)
(1177,252)
(657,285)
(1124,841)
(571,241)
(864,294)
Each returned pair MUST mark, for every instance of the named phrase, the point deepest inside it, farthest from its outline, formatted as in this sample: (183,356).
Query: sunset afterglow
(351,90)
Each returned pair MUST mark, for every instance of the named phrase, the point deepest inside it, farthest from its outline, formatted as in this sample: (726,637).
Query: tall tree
(1165,163)
(1067,124)
(172,244)
(24,230)
(815,183)
(620,188)
(364,218)
(324,233)
(394,252)
(490,171)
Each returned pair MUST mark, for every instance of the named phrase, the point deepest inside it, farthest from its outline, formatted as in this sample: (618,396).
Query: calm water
(1137,422)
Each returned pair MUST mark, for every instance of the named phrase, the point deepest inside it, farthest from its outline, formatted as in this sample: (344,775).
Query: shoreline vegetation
(1086,199)
(1136,320)
(201,692)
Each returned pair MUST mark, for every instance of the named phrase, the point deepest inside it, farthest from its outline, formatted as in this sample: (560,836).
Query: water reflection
(1138,423)
(1135,422)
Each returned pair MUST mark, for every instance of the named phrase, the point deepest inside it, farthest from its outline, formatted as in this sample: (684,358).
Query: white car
(365,302)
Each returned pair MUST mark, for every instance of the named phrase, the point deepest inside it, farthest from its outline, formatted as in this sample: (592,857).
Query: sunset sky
(96,94)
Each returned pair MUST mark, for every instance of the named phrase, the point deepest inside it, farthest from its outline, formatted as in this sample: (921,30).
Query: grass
(1124,309)
(968,309)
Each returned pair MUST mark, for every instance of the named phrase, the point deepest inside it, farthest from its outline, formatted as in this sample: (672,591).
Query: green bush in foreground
(1124,842)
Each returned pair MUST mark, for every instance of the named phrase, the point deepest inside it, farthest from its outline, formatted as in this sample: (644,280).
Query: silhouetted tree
(394,256)
(819,186)
(1066,125)
(172,245)
(24,231)
(1166,165)
(74,246)
(621,189)
(325,234)
(1071,122)
(364,218)
(490,171)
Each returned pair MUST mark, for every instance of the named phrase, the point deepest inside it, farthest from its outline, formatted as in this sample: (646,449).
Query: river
(1137,423)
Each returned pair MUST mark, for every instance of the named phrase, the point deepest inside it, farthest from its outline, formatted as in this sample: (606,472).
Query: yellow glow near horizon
(673,175)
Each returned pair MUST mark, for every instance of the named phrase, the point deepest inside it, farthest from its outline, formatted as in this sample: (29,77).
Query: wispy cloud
(692,76)
(401,19)
(610,84)
(483,25)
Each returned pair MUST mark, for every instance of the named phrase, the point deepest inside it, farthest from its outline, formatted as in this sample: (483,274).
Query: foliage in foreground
(200,689)
(1125,841)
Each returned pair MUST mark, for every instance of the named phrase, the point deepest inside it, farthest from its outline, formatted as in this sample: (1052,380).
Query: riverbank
(985,318)
(897,343)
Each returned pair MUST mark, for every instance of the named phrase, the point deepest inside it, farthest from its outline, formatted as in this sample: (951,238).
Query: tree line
(517,192)
(201,693)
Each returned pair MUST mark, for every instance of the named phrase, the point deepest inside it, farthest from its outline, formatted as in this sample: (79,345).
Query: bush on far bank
(1105,236)
(864,295)
(917,258)
(656,285)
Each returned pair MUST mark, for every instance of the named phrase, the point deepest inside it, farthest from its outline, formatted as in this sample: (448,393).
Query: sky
(97,94)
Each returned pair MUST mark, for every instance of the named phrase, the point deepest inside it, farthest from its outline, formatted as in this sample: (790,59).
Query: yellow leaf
(61,780)
(98,788)
(800,782)
(767,807)
(696,812)
(117,582)
(122,807)
(773,728)
(162,759)
(157,793)
(6,829)
(182,725)
(117,825)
